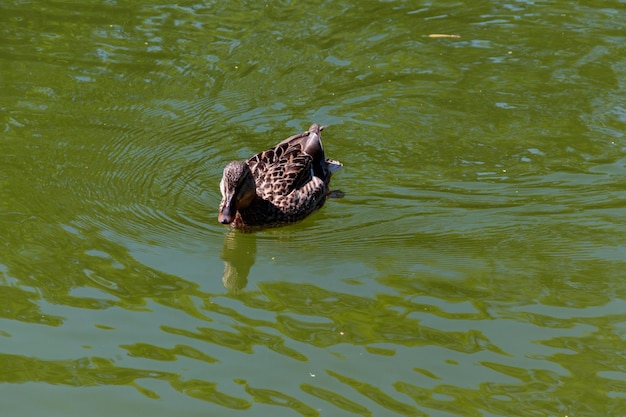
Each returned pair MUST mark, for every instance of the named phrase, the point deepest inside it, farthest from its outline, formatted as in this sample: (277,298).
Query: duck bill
(227,212)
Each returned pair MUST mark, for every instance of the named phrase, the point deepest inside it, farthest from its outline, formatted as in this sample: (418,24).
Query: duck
(278,186)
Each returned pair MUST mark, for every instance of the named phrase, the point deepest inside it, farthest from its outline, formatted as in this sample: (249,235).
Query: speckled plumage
(278,186)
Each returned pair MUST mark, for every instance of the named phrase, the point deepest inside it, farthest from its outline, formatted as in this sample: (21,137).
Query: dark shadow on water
(238,254)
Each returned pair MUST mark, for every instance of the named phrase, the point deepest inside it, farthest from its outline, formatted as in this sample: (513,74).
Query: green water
(474,268)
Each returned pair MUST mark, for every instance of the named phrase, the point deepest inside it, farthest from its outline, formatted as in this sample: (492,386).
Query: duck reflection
(238,254)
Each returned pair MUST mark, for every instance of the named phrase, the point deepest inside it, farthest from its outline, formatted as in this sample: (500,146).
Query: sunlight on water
(473,268)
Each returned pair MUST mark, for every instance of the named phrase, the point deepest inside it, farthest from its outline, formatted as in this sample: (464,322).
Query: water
(474,268)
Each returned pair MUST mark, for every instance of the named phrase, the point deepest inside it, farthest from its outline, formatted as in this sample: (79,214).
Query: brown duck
(278,186)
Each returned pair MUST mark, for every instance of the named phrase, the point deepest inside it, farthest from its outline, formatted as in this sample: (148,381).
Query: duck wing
(289,165)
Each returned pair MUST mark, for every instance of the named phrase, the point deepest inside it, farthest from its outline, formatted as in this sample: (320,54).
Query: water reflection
(238,254)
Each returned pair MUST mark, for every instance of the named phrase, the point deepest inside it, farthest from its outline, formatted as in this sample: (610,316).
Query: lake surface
(475,267)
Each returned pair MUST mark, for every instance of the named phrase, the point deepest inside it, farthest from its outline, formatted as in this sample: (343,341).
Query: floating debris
(443,35)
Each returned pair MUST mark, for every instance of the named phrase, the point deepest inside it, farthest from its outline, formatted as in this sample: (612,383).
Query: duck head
(238,190)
